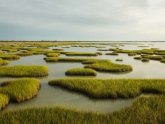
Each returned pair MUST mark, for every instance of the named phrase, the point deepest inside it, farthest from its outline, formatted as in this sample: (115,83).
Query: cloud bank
(82,20)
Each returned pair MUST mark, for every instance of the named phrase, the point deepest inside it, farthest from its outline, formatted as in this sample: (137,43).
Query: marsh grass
(9,56)
(21,89)
(80,54)
(107,66)
(52,54)
(56,59)
(132,54)
(23,71)
(58,50)
(145,60)
(144,110)
(113,53)
(81,72)
(95,64)
(24,53)
(111,88)
(138,57)
(163,61)
(154,57)
(4,100)
(119,59)
(3,62)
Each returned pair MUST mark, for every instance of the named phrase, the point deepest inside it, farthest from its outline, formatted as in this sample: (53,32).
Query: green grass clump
(81,72)
(24,53)
(52,54)
(58,50)
(95,64)
(9,56)
(132,54)
(119,59)
(155,57)
(3,62)
(145,110)
(163,61)
(160,52)
(21,89)
(145,60)
(23,71)
(108,66)
(56,59)
(113,53)
(4,100)
(80,54)
(138,57)
(112,88)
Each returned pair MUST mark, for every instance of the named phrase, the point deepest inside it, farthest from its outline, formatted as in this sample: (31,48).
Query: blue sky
(82,19)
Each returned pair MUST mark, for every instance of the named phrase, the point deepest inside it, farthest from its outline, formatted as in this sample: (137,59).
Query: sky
(110,20)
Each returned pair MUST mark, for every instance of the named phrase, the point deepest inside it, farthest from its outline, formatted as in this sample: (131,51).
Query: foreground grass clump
(81,72)
(23,71)
(3,62)
(145,110)
(108,66)
(4,100)
(21,89)
(112,88)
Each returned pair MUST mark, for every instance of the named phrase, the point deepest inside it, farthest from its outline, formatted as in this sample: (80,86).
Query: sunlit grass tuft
(112,88)
(4,100)
(21,89)
(23,71)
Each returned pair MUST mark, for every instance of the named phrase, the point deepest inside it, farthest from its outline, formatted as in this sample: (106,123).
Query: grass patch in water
(24,53)
(56,59)
(21,89)
(80,54)
(4,100)
(3,62)
(132,54)
(138,57)
(113,53)
(145,60)
(144,110)
(119,59)
(81,72)
(163,61)
(9,56)
(23,71)
(108,66)
(52,54)
(58,50)
(111,88)
(95,64)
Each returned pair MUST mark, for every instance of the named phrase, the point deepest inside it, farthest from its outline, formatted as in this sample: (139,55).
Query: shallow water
(55,96)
